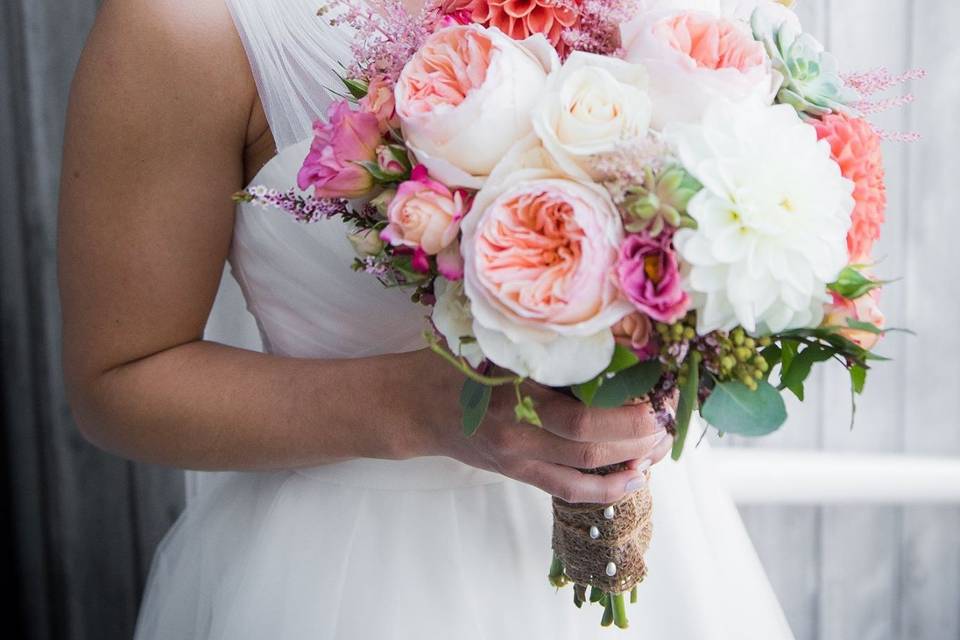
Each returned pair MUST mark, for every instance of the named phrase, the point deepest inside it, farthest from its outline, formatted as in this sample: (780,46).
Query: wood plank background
(84,524)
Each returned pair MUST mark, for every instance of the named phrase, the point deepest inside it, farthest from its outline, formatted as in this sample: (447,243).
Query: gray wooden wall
(86,524)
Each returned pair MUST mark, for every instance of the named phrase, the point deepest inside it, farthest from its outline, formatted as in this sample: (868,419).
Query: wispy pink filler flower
(598,30)
(386,35)
(870,83)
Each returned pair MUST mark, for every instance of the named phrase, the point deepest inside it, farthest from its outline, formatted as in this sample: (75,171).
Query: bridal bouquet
(628,200)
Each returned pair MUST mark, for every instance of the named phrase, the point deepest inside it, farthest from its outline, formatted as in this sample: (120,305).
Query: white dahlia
(772,218)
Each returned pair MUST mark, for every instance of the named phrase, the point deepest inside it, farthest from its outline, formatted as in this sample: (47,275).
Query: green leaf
(852,284)
(688,402)
(617,388)
(772,355)
(357,88)
(788,350)
(801,366)
(733,408)
(864,326)
(623,358)
(858,378)
(474,400)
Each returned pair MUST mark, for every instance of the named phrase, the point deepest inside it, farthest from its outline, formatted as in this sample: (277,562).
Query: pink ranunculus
(346,138)
(650,277)
(695,58)
(466,96)
(380,102)
(863,309)
(424,214)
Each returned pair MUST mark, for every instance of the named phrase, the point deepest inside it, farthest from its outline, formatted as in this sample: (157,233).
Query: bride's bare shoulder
(184,53)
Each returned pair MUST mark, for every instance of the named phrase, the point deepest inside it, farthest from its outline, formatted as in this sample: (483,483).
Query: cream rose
(696,58)
(465,98)
(590,105)
(539,252)
(452,318)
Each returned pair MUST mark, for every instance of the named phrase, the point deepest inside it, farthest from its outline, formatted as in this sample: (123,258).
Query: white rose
(590,105)
(452,318)
(686,77)
(465,98)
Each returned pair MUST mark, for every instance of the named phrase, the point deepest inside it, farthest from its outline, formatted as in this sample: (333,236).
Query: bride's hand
(573,437)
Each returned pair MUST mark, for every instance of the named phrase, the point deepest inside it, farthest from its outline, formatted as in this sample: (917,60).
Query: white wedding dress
(427,548)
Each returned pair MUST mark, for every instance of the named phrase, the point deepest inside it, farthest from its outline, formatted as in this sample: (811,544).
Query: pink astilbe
(870,83)
(385,36)
(626,165)
(598,30)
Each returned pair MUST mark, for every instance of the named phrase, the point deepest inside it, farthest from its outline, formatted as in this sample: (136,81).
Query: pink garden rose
(465,97)
(695,58)
(380,102)
(424,214)
(346,138)
(863,309)
(650,278)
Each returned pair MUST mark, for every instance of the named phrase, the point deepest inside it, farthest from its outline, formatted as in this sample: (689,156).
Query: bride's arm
(159,123)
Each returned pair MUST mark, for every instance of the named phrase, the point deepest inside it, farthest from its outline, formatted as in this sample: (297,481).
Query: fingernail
(636,484)
(643,466)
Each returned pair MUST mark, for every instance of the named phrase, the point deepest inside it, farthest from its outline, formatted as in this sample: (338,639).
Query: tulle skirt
(430,549)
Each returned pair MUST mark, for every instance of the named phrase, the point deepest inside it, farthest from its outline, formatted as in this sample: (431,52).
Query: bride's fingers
(574,486)
(572,420)
(545,446)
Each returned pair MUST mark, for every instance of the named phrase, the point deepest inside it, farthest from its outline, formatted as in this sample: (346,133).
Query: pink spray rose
(346,138)
(635,332)
(380,102)
(863,309)
(424,214)
(650,278)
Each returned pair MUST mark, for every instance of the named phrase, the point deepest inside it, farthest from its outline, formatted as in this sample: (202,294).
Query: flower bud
(366,242)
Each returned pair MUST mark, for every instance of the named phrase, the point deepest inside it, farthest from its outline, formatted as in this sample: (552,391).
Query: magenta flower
(332,167)
(650,277)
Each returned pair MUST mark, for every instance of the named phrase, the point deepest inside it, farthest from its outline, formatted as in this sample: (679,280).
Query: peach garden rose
(540,249)
(466,97)
(695,58)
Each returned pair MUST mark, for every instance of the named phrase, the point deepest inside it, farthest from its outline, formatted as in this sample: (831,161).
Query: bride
(349,505)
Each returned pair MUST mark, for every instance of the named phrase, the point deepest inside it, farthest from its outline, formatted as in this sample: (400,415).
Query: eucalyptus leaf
(474,400)
(617,388)
(688,402)
(733,408)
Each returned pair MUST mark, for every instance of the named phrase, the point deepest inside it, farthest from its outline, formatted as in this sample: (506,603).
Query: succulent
(811,76)
(660,201)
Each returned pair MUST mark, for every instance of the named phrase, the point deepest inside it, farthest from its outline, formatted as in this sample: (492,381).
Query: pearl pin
(594,533)
(611,569)
(609,512)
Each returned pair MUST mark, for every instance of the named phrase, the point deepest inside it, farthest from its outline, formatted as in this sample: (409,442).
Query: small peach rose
(863,309)
(424,214)
(380,102)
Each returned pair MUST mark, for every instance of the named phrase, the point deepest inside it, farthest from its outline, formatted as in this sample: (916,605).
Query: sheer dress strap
(295,56)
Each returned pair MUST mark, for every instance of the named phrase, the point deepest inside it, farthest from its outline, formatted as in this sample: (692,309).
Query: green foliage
(734,408)
(625,378)
(689,399)
(852,284)
(357,88)
(474,400)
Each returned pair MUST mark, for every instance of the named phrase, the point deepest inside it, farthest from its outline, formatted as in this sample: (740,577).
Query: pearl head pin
(611,569)
(609,512)
(594,533)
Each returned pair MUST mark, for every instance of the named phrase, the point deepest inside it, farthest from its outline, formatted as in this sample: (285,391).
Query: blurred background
(81,526)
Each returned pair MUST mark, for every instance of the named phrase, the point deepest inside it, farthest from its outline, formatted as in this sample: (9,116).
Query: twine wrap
(623,540)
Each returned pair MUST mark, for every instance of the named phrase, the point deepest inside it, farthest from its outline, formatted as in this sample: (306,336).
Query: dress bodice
(298,283)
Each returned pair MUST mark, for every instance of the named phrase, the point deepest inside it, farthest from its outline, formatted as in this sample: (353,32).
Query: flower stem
(607,619)
(619,611)
(556,576)
(633,595)
(464,367)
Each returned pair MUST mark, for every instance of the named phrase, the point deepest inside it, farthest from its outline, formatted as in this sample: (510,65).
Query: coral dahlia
(856,148)
(520,19)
